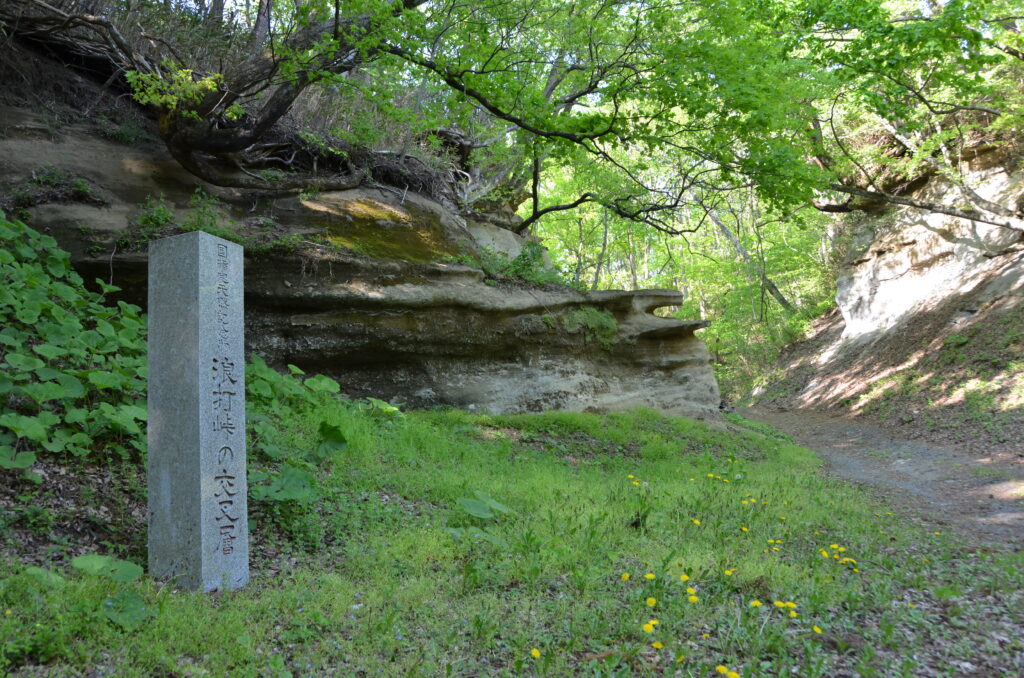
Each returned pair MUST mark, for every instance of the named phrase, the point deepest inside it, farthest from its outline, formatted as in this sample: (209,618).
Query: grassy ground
(446,543)
(587,529)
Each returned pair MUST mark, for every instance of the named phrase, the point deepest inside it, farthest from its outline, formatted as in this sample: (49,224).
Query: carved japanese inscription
(197,488)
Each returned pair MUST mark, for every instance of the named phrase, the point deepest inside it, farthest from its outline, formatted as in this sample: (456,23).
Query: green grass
(383,584)
(447,543)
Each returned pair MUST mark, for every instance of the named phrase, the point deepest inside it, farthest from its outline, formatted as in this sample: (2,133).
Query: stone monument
(198,523)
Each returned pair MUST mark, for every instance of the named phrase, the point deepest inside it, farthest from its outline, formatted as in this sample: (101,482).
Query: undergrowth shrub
(73,383)
(74,370)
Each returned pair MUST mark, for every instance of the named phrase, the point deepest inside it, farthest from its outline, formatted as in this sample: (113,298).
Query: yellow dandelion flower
(721,669)
(732,674)
(657,645)
(744,528)
(791,605)
(691,590)
(824,553)
(756,603)
(653,622)
(624,576)
(636,482)
(684,577)
(693,599)
(651,602)
(649,575)
(711,475)
(816,629)
(744,502)
(833,546)
(631,476)
(694,521)
(753,501)
(648,627)
(728,573)
(680,659)
(779,603)
(535,653)
(937,533)
(792,613)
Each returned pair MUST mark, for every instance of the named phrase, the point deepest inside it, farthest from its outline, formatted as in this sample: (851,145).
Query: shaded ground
(982,494)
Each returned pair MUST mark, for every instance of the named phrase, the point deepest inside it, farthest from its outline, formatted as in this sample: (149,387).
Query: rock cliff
(929,329)
(362,285)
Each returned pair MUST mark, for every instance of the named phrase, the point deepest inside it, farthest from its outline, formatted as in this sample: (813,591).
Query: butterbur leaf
(44,391)
(322,384)
(73,387)
(49,351)
(127,609)
(107,566)
(334,440)
(24,427)
(10,460)
(259,387)
(292,484)
(23,362)
(476,508)
(101,379)
(487,499)
(294,370)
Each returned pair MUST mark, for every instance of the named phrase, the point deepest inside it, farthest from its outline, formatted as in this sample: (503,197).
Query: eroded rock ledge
(428,334)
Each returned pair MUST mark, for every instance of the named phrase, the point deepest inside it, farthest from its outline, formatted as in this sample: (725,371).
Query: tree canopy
(652,107)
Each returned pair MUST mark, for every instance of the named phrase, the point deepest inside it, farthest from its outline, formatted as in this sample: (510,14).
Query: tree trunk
(765,280)
(261,28)
(601,254)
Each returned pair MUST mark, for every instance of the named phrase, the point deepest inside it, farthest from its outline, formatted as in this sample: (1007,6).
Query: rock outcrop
(911,261)
(428,334)
(929,330)
(361,285)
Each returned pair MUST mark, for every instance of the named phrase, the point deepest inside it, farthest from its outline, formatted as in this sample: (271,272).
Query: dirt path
(944,486)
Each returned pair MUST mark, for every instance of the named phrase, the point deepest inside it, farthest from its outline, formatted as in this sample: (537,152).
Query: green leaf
(105,288)
(10,461)
(487,499)
(73,387)
(49,351)
(294,370)
(476,508)
(127,609)
(322,384)
(101,379)
(24,427)
(259,387)
(24,362)
(43,392)
(334,440)
(292,484)
(107,566)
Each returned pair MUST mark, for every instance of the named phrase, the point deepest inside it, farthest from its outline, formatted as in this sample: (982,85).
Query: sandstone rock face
(365,291)
(909,261)
(428,334)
